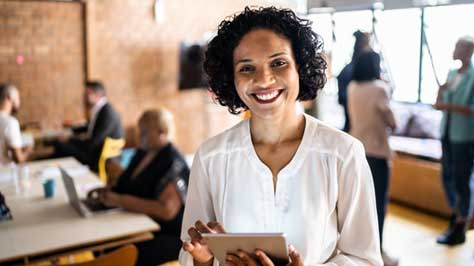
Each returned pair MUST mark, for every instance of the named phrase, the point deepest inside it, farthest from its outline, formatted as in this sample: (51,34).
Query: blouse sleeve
(199,205)
(357,216)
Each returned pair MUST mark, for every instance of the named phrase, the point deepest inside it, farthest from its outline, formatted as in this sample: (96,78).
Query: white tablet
(273,244)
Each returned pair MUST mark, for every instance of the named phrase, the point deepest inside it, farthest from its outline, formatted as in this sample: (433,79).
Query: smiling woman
(305,46)
(280,170)
(265,72)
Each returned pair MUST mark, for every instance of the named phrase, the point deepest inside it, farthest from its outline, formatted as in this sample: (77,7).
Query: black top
(343,80)
(167,166)
(107,124)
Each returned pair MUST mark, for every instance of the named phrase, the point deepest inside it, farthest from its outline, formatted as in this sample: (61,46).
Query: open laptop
(85,207)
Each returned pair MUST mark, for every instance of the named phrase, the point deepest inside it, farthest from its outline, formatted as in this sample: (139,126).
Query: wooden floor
(411,236)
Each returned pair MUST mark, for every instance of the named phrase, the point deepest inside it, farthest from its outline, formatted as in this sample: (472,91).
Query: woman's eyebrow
(277,54)
(245,60)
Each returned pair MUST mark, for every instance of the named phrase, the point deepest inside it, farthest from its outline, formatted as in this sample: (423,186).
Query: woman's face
(265,73)
(149,137)
(462,51)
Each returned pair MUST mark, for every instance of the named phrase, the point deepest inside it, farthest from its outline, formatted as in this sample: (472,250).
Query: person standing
(456,100)
(362,44)
(371,121)
(280,170)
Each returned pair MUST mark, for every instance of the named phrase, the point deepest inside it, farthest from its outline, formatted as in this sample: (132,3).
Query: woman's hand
(109,198)
(442,106)
(95,193)
(197,246)
(242,258)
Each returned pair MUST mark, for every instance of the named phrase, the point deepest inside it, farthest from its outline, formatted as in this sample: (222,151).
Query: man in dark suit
(103,121)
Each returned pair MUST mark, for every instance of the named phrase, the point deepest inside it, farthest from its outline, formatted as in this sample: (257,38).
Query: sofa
(416,168)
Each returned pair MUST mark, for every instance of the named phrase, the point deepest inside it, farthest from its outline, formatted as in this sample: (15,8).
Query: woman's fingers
(197,251)
(216,227)
(263,258)
(194,234)
(187,246)
(234,260)
(197,246)
(246,258)
(295,256)
(202,227)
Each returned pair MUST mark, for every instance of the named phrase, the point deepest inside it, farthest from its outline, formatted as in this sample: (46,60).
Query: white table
(44,227)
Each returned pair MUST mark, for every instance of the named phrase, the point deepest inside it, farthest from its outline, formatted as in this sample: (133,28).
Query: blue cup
(48,187)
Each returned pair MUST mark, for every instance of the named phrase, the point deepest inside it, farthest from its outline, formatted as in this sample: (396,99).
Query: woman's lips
(267,97)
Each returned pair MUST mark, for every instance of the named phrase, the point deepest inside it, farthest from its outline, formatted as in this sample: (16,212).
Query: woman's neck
(464,66)
(277,130)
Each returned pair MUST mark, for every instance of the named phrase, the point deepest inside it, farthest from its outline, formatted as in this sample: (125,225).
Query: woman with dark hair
(361,44)
(280,170)
(371,121)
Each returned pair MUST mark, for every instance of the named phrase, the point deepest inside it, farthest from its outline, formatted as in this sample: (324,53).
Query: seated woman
(154,184)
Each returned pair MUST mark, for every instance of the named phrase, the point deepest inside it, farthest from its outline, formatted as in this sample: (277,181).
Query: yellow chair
(112,148)
(171,263)
(125,256)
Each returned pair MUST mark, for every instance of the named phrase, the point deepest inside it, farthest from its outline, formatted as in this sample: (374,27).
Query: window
(346,24)
(443,27)
(340,53)
(400,49)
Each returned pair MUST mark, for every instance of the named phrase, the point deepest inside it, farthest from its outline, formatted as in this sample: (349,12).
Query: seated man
(154,184)
(11,148)
(104,121)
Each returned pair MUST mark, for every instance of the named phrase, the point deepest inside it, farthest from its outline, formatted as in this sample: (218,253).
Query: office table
(47,228)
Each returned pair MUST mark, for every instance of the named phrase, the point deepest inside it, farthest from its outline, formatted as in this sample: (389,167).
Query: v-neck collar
(288,169)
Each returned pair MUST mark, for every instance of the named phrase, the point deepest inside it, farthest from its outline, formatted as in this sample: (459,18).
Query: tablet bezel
(273,244)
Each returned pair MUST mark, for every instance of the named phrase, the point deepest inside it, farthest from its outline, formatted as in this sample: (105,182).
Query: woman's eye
(278,63)
(246,69)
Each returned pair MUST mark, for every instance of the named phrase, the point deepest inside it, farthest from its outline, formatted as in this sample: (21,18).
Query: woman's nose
(264,78)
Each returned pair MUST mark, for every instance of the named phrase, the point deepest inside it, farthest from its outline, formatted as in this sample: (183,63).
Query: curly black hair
(305,43)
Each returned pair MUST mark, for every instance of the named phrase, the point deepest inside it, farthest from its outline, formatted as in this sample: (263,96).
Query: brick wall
(135,56)
(41,51)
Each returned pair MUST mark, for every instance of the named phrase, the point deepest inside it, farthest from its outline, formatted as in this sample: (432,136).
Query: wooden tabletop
(42,226)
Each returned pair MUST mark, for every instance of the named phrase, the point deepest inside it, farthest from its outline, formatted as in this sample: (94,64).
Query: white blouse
(324,200)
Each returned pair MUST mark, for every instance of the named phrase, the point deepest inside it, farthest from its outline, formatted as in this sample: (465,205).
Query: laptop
(86,207)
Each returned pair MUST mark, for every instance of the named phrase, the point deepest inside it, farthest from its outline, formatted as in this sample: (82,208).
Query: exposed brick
(34,29)
(135,57)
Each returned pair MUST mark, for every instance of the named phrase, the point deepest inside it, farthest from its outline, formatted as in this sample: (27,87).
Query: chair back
(111,148)
(124,256)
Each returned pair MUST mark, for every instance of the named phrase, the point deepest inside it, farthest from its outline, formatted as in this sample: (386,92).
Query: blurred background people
(155,184)
(456,100)
(103,121)
(11,146)
(371,121)
(362,44)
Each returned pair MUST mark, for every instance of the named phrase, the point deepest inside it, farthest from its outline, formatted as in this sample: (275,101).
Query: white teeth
(267,96)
